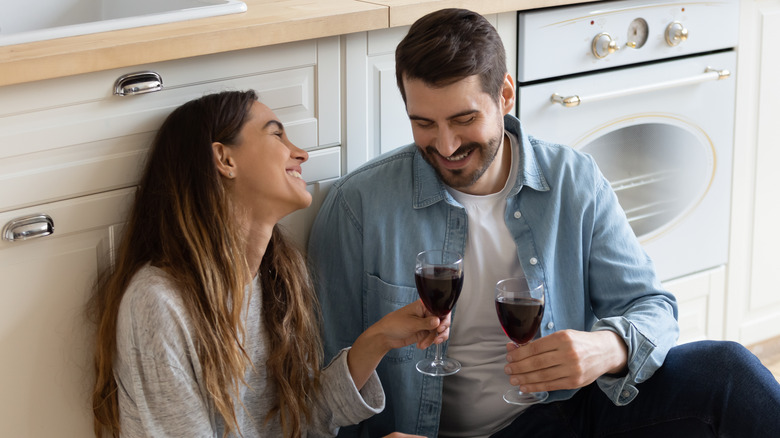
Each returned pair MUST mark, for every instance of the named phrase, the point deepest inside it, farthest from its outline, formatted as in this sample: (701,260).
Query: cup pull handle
(141,82)
(28,227)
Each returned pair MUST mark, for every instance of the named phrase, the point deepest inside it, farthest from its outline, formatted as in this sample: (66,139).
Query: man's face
(460,131)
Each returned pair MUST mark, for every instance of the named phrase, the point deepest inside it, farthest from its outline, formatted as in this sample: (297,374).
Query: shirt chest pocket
(383,298)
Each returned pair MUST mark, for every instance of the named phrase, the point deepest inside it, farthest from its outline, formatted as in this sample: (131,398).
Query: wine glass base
(444,367)
(516,397)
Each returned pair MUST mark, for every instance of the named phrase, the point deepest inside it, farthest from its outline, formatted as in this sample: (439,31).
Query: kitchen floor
(769,353)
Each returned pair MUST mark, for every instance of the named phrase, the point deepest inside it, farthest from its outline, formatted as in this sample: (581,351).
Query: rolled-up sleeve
(628,299)
(340,403)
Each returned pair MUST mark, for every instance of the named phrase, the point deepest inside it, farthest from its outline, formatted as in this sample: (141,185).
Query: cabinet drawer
(71,136)
(90,87)
(73,216)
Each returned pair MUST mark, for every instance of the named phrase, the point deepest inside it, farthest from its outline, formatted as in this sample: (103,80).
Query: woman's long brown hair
(182,221)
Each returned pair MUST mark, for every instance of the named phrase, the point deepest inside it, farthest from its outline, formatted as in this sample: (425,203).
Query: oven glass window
(658,171)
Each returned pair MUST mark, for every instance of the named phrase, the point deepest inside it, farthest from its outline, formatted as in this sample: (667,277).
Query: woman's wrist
(366,353)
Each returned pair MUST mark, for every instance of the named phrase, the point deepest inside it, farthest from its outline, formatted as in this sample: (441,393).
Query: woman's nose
(298,153)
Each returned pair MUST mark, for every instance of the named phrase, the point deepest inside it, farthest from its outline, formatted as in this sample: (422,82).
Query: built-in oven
(647,88)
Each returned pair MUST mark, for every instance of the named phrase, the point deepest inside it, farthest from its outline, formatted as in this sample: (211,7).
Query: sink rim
(92,27)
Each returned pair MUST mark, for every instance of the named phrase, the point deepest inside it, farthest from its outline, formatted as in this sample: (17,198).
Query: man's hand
(567,359)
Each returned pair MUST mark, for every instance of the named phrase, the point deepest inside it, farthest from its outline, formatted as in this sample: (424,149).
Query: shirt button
(550,325)
(533,260)
(517,215)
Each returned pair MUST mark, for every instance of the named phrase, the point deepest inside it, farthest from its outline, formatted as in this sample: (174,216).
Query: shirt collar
(531,174)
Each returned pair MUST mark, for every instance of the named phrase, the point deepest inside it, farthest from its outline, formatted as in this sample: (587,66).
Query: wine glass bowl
(520,307)
(438,276)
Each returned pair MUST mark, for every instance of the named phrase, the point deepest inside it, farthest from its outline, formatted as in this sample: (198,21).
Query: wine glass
(439,278)
(520,306)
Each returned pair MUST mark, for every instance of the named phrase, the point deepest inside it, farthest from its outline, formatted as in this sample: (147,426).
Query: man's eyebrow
(454,116)
(278,124)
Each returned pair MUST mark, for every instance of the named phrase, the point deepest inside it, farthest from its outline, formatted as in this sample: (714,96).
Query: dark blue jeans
(704,389)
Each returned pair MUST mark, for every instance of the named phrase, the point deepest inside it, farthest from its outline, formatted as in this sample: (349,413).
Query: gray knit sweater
(161,389)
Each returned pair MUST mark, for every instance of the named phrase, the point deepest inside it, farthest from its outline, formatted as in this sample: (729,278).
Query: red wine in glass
(439,288)
(520,318)
(438,276)
(520,308)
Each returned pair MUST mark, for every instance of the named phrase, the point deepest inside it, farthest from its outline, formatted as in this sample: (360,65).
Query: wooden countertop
(406,12)
(265,22)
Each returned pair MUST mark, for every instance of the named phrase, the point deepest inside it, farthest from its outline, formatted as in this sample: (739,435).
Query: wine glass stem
(438,358)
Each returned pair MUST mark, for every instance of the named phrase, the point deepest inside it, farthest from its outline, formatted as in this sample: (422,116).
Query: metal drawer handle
(710,74)
(28,227)
(141,82)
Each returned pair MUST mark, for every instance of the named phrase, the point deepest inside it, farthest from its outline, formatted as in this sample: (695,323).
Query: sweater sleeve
(156,367)
(340,403)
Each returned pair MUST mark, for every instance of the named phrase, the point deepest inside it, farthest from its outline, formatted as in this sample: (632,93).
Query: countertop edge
(263,24)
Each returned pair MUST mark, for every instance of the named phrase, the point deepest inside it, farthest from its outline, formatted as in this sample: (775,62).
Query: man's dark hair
(448,45)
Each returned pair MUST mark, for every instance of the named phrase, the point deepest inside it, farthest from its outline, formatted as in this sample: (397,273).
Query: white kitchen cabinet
(46,367)
(70,136)
(700,299)
(753,299)
(72,150)
(376,120)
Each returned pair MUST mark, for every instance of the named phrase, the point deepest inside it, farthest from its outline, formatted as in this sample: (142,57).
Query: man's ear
(507,99)
(223,160)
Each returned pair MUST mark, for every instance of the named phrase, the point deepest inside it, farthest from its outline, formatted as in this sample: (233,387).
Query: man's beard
(457,178)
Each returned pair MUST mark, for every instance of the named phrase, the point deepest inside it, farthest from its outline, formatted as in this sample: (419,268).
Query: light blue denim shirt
(570,232)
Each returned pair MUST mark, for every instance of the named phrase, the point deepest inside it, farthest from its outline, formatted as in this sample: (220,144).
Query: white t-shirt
(472,402)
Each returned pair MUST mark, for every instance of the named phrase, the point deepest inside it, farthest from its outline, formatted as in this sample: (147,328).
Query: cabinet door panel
(100,146)
(762,317)
(753,302)
(46,370)
(290,92)
(27,97)
(700,299)
(75,171)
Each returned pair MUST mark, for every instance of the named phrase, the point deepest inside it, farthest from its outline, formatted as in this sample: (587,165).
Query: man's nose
(448,142)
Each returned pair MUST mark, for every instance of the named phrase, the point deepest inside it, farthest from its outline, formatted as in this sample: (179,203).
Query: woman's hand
(412,324)
(405,326)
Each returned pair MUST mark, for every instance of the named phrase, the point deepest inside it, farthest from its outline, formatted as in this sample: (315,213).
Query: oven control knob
(603,45)
(676,33)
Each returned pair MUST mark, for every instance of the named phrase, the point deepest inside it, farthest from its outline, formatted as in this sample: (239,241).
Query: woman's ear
(223,160)
(508,94)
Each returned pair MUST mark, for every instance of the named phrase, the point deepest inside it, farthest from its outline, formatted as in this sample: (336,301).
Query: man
(476,183)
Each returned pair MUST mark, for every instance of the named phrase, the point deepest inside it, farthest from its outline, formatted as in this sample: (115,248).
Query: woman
(208,325)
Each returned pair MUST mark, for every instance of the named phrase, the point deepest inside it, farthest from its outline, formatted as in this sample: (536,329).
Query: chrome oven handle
(710,74)
(28,227)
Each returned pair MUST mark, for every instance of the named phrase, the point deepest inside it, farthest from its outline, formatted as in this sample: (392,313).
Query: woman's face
(267,168)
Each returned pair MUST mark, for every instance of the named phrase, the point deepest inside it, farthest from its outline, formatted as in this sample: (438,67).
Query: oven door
(662,134)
